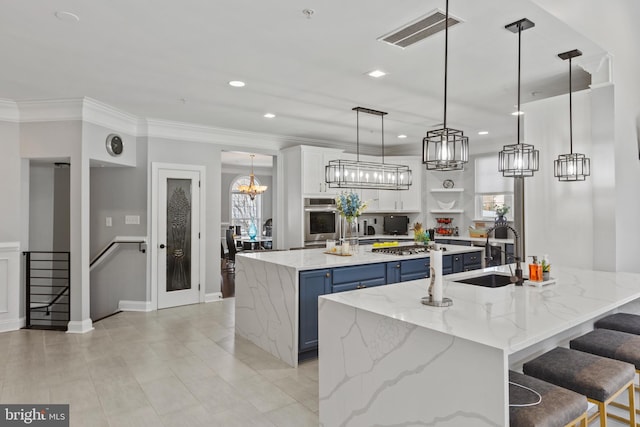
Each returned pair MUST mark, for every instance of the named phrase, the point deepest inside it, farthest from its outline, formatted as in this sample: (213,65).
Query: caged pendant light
(367,175)
(252,190)
(518,160)
(573,166)
(445,149)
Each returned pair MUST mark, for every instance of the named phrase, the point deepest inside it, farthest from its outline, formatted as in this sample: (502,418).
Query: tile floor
(175,367)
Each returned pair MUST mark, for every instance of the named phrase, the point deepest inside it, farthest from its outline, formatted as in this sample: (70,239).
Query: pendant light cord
(519,113)
(382,121)
(570,112)
(446,60)
(358,134)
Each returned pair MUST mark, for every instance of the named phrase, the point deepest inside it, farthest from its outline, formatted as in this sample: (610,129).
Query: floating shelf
(446,211)
(447,190)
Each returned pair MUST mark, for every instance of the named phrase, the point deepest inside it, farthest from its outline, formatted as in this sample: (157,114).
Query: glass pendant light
(445,149)
(518,160)
(368,175)
(572,166)
(252,190)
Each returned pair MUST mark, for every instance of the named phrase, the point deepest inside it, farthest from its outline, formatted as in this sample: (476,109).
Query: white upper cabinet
(314,161)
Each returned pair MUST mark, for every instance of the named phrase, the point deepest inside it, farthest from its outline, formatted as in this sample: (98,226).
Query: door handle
(161,245)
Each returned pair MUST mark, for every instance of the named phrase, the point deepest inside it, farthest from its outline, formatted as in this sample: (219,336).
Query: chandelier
(367,175)
(572,166)
(252,190)
(445,149)
(518,160)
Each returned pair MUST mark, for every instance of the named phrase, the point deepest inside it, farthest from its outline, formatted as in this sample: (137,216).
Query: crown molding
(9,111)
(50,110)
(101,114)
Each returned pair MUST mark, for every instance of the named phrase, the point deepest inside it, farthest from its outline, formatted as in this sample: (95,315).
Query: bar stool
(533,402)
(623,322)
(614,345)
(599,378)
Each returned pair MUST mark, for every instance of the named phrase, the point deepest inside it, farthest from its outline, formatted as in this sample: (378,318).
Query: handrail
(41,285)
(114,243)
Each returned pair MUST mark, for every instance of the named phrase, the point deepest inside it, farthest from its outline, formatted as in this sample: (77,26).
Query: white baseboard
(135,306)
(12,324)
(79,326)
(213,296)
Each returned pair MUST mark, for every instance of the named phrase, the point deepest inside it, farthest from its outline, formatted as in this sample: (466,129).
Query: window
(243,209)
(492,189)
(486,205)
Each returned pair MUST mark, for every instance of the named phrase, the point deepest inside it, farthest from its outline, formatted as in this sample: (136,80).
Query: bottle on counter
(535,270)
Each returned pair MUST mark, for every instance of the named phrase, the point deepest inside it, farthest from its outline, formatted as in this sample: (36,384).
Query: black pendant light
(518,160)
(445,149)
(367,175)
(572,166)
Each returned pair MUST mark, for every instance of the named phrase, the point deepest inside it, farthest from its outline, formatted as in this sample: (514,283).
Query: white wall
(559,215)
(622,44)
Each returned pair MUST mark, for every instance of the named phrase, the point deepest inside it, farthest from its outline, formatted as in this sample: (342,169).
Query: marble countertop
(510,318)
(313,259)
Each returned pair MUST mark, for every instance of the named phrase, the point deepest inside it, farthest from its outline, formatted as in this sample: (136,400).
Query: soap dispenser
(535,270)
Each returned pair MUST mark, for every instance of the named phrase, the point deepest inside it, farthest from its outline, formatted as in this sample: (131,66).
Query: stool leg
(632,405)
(602,409)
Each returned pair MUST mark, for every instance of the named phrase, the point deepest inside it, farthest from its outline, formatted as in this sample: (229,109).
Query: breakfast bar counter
(387,359)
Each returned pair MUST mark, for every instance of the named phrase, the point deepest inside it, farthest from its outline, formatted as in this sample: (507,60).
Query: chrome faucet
(516,258)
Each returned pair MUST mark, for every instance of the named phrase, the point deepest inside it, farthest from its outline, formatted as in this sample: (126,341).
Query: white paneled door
(178,235)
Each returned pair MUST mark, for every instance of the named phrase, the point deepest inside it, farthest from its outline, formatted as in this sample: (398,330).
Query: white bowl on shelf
(446,205)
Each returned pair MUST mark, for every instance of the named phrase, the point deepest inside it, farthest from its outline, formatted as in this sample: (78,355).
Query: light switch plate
(109,221)
(132,219)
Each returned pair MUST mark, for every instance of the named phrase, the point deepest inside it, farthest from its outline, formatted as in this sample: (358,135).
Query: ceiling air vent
(419,29)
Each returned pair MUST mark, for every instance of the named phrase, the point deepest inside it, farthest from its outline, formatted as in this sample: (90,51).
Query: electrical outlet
(109,221)
(132,219)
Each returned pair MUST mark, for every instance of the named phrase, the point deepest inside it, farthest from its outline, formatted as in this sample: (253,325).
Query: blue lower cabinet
(393,272)
(509,252)
(472,261)
(312,284)
(360,284)
(368,273)
(457,263)
(447,264)
(414,269)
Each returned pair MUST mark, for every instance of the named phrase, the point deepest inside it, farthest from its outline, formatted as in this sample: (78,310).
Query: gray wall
(9,184)
(117,192)
(61,209)
(207,155)
(41,191)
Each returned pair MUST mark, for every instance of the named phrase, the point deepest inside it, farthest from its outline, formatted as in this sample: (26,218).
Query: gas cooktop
(402,250)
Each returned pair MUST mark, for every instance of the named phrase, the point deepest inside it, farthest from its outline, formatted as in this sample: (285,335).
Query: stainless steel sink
(488,280)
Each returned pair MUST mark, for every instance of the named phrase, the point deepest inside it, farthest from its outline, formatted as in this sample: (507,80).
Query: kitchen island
(386,359)
(277,292)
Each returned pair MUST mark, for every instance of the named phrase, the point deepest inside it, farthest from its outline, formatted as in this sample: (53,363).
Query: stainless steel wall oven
(321,221)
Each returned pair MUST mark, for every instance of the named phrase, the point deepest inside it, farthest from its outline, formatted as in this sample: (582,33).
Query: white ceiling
(237,158)
(172,60)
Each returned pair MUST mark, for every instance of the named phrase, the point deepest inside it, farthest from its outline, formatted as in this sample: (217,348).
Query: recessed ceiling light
(517,113)
(376,73)
(483,132)
(403,136)
(67,16)
(269,115)
(236,83)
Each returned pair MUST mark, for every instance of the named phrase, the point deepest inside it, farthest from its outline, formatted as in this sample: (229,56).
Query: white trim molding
(144,306)
(79,326)
(10,286)
(50,110)
(12,325)
(213,297)
(9,111)
(101,114)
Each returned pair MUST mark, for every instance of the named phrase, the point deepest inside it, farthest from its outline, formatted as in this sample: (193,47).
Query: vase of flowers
(546,268)
(501,211)
(350,207)
(420,235)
